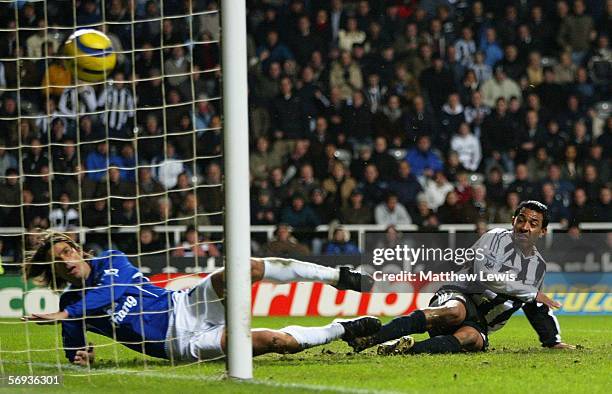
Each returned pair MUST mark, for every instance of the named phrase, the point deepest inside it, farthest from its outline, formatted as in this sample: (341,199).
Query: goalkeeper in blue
(107,295)
(461,315)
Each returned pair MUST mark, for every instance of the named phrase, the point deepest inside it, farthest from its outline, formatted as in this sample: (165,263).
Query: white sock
(308,337)
(281,270)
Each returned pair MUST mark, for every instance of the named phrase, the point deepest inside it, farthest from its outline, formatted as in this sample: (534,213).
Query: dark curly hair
(38,263)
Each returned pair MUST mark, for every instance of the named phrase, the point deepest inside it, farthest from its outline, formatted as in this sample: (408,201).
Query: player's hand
(563,346)
(85,357)
(544,299)
(46,318)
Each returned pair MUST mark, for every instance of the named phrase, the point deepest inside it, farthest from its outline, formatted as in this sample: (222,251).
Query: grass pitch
(514,363)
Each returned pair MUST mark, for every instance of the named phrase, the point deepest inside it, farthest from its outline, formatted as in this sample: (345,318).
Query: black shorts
(473,318)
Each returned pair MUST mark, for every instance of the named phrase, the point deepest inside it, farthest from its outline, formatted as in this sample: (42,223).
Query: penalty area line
(153,374)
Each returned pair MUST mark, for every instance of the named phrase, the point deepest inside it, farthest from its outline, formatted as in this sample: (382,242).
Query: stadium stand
(450,109)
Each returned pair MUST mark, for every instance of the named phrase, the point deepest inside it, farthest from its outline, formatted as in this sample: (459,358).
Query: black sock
(414,323)
(439,344)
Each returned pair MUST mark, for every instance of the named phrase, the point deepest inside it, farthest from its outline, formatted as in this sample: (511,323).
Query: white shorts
(196,323)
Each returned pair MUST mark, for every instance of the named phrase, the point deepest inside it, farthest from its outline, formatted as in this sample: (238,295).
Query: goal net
(132,163)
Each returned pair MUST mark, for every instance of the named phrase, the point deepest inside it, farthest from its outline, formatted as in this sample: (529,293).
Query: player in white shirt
(460,315)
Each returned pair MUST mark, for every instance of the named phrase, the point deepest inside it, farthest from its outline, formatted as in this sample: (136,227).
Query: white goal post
(237,222)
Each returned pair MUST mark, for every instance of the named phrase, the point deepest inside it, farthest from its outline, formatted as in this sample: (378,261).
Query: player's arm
(75,347)
(73,338)
(73,335)
(545,323)
(115,281)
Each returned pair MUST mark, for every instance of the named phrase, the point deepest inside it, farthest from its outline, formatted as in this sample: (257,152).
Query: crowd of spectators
(429,112)
(389,112)
(141,148)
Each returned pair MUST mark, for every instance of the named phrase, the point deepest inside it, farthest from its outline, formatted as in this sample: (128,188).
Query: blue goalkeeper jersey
(118,302)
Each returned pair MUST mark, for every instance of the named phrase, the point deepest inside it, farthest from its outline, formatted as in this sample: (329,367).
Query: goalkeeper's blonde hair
(38,263)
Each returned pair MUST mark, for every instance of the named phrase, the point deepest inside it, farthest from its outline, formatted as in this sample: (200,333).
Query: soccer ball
(93,54)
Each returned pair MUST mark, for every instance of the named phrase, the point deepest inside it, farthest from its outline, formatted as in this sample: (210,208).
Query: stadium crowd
(387,112)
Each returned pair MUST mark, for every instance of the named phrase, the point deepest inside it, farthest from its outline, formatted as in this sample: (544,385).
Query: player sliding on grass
(459,317)
(109,296)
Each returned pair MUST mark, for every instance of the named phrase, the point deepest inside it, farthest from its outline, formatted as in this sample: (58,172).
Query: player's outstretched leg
(466,339)
(283,270)
(450,314)
(294,339)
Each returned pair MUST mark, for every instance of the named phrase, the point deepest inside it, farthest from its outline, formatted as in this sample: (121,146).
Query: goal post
(237,222)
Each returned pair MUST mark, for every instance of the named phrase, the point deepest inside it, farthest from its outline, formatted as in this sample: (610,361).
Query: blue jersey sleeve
(73,337)
(113,281)
(73,331)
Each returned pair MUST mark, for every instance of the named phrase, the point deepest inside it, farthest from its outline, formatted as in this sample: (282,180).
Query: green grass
(515,362)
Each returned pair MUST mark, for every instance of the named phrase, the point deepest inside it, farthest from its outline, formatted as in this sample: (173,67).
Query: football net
(131,163)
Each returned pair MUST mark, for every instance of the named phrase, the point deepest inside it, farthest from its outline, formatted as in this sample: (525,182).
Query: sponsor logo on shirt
(128,304)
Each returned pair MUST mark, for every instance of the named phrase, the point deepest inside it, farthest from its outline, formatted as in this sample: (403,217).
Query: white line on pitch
(153,374)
